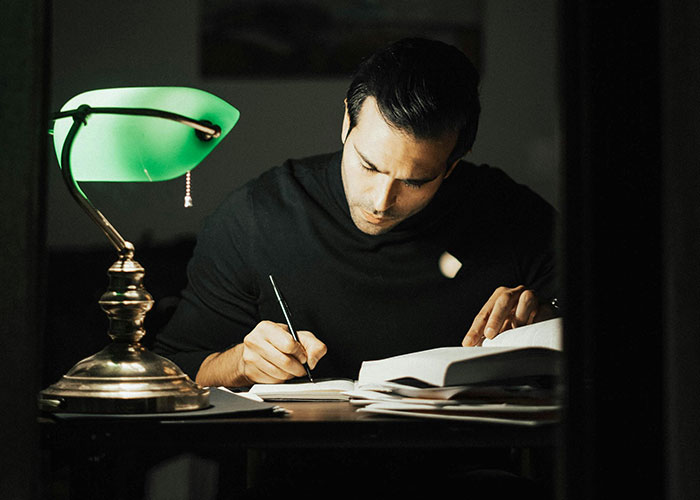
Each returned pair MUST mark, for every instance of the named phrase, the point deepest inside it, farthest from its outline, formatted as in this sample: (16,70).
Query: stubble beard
(367,227)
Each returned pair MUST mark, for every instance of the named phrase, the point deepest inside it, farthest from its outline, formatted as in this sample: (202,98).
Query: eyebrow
(423,180)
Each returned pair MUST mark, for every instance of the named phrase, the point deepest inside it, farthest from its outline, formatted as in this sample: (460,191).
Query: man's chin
(371,228)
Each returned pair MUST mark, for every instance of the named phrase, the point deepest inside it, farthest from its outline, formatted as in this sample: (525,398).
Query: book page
(543,334)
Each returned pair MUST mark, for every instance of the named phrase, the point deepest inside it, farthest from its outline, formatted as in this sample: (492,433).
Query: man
(392,245)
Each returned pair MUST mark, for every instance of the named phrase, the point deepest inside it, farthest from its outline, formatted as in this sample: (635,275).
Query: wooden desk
(113,458)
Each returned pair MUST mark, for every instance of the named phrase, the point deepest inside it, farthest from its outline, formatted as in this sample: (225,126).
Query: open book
(518,354)
(528,351)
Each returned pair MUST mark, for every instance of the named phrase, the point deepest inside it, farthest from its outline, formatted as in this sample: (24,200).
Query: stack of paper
(505,404)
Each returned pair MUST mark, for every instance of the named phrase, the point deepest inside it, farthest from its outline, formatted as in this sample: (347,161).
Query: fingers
(506,308)
(502,309)
(315,349)
(526,309)
(484,321)
(271,355)
(475,335)
(260,371)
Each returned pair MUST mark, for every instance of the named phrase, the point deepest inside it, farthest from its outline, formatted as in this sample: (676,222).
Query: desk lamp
(131,135)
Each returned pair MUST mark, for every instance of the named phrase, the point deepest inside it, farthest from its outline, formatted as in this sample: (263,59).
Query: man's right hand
(267,355)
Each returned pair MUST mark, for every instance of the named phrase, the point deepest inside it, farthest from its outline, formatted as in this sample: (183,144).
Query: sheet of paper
(332,389)
(543,334)
(247,395)
(363,398)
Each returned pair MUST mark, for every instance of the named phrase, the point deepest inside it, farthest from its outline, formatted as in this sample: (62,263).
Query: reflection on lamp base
(124,377)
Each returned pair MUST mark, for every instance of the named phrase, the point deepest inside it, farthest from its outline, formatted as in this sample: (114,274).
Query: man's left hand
(506,308)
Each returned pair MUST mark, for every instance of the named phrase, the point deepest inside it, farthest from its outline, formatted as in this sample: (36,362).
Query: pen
(288,319)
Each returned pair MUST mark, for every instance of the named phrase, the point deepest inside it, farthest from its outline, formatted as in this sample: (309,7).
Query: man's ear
(449,170)
(346,124)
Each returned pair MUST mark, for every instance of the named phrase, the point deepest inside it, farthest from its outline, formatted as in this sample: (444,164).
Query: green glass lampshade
(126,148)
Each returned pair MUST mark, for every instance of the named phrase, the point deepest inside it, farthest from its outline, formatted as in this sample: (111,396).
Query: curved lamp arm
(204,130)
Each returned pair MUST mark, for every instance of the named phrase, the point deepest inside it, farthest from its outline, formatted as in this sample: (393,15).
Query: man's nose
(385,195)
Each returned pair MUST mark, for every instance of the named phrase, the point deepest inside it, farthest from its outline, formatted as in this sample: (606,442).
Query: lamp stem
(122,246)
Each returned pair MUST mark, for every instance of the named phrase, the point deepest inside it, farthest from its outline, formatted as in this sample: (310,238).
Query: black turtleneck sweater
(366,297)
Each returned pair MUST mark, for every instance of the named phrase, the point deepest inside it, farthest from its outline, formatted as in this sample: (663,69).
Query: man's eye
(413,184)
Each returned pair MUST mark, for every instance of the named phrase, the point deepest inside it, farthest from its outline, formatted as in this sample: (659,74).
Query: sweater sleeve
(535,253)
(219,305)
(528,225)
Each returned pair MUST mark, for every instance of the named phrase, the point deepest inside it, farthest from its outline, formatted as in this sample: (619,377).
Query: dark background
(630,127)
(165,42)
(234,49)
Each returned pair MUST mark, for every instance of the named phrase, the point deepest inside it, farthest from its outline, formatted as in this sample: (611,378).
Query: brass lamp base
(124,377)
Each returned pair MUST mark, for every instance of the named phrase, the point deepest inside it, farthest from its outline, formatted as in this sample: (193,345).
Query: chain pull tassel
(188,190)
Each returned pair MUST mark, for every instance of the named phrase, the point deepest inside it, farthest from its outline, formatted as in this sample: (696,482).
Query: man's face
(389,175)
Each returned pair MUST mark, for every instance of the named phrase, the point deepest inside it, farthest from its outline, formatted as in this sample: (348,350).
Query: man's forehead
(378,138)
(414,168)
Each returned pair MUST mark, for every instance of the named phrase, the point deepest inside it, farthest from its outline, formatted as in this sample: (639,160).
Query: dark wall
(613,251)
(136,43)
(23,86)
(632,125)
(681,224)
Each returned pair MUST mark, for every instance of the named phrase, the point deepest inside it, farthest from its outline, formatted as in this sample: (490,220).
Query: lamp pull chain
(188,190)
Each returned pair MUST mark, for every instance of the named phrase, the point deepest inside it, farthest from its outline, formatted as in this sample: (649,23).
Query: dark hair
(423,87)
